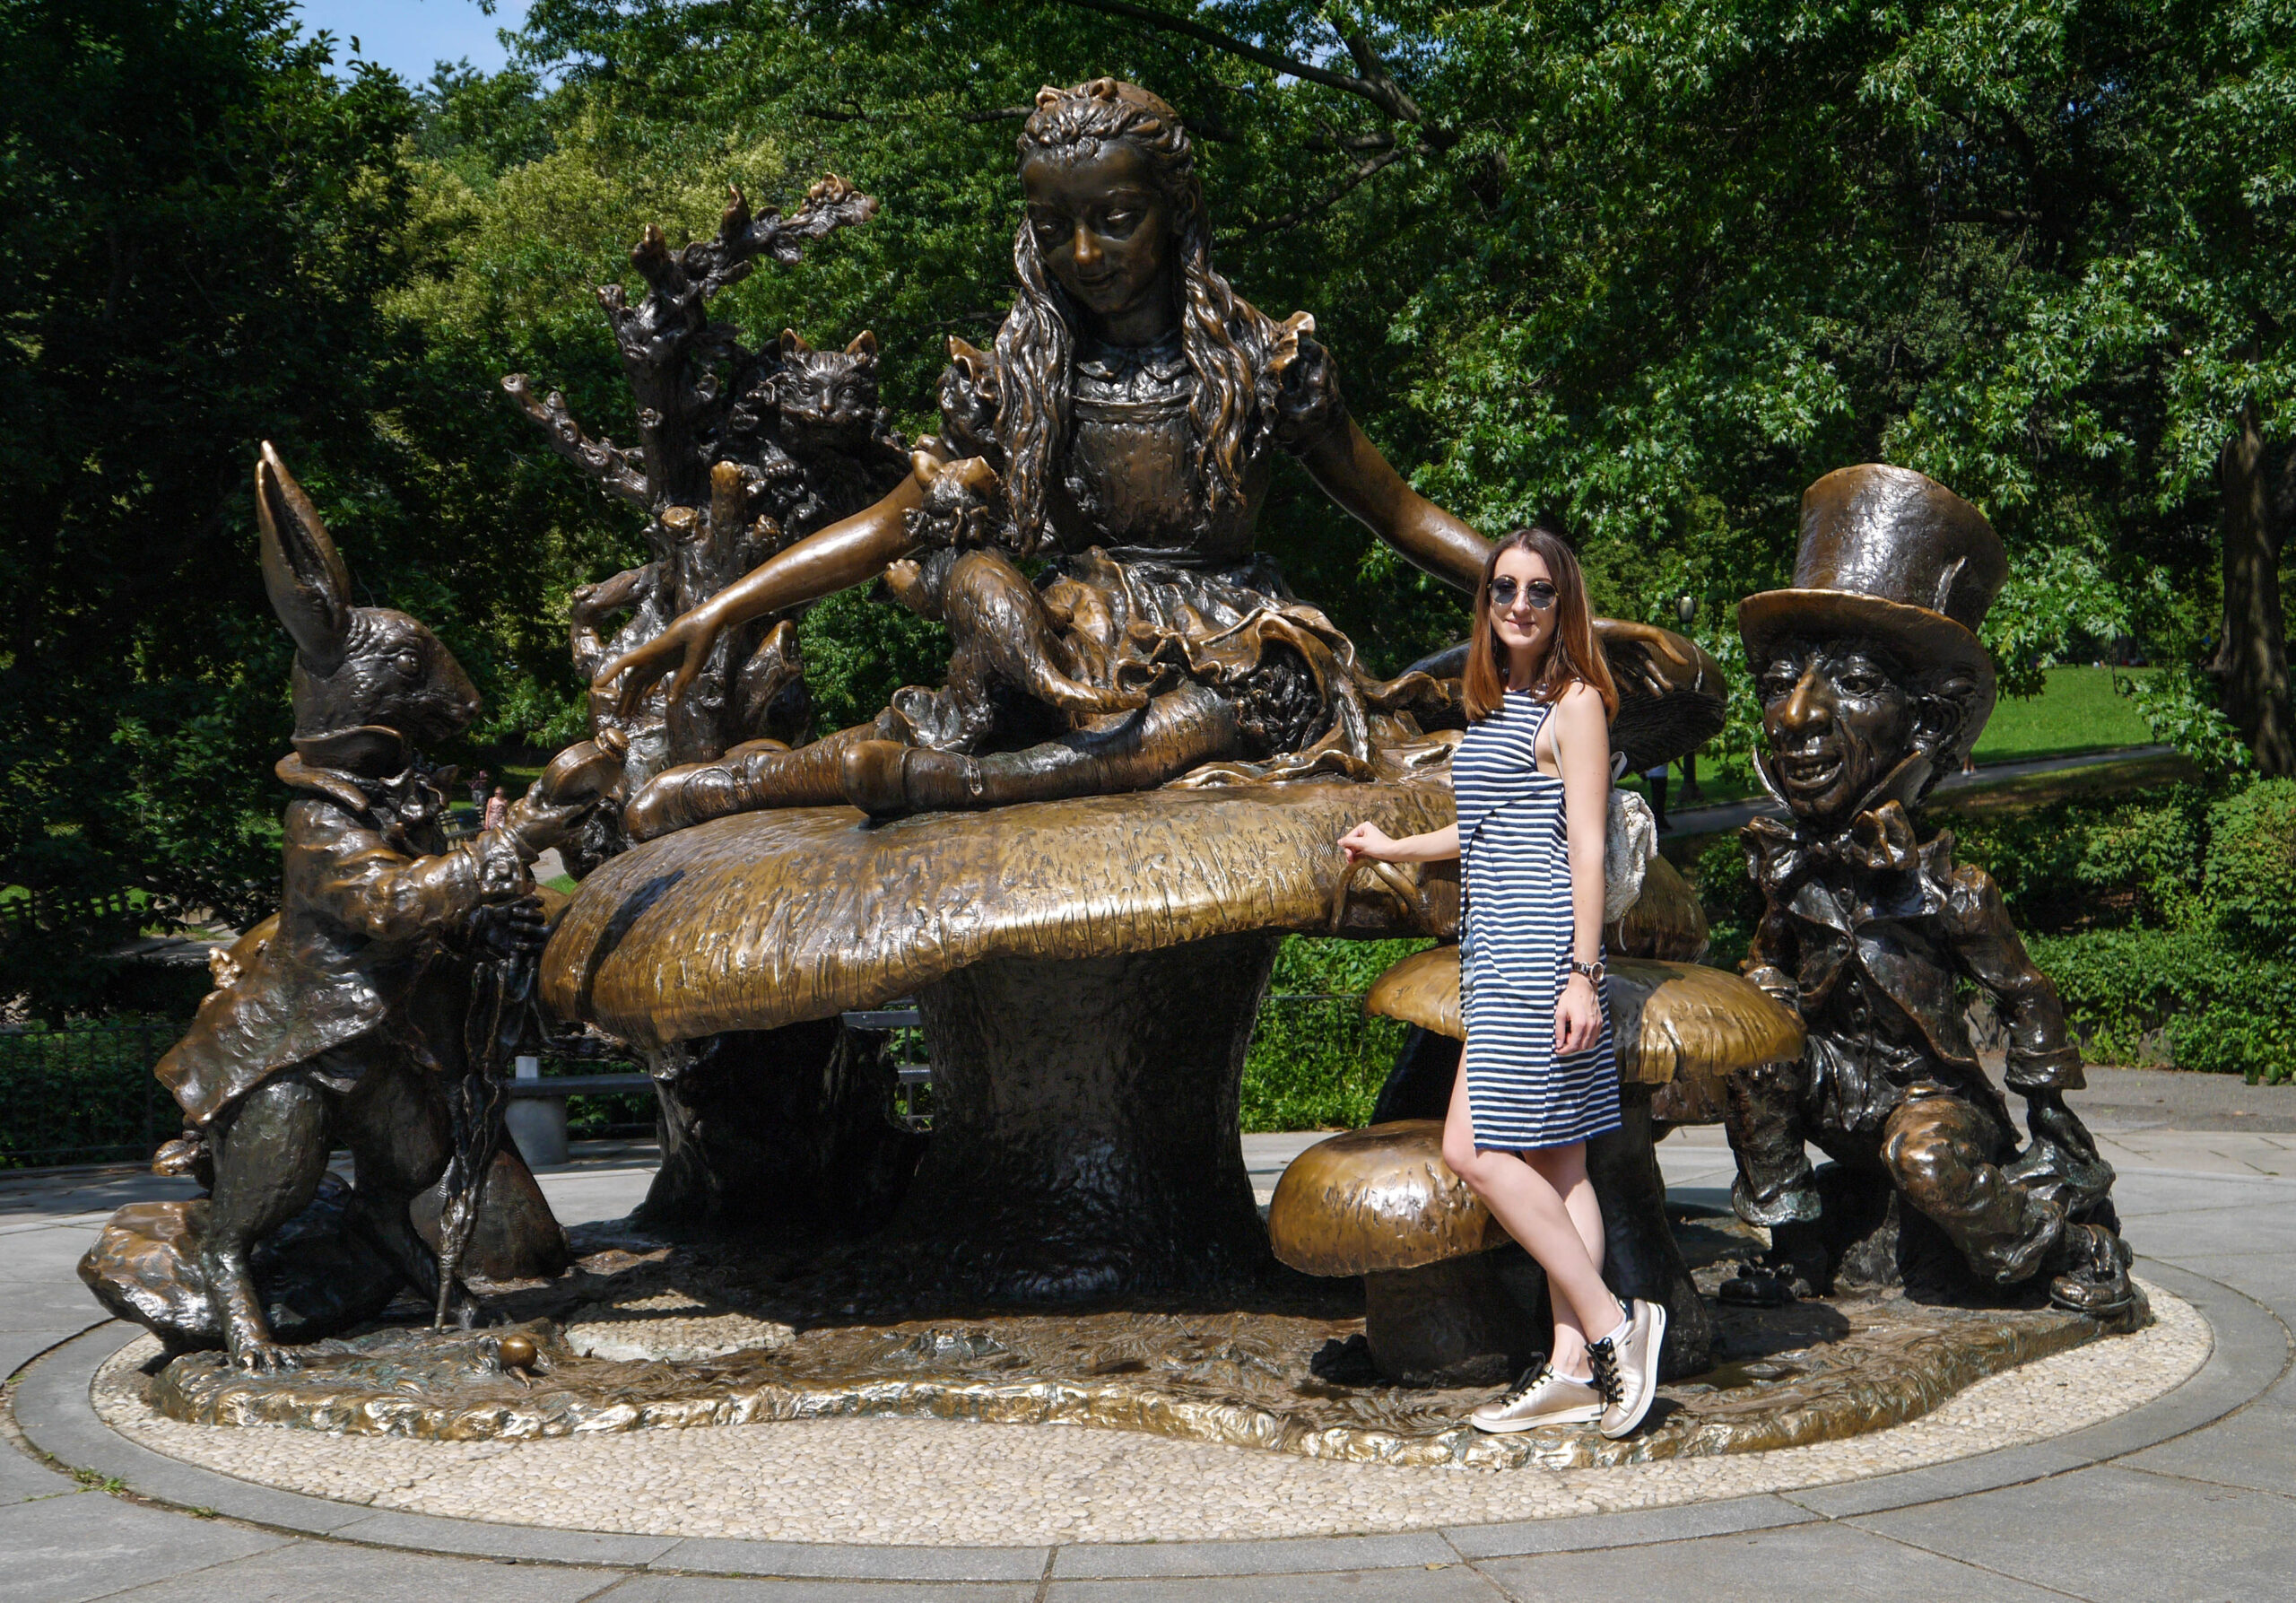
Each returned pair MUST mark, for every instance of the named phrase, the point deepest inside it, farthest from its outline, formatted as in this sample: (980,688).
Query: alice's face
(1102,229)
(1838,720)
(1525,620)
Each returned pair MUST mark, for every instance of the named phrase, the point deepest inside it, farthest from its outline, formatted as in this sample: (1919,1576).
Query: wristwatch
(1594,970)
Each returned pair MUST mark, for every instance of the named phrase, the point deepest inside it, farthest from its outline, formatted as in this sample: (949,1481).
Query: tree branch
(1371,82)
(601,459)
(1355,178)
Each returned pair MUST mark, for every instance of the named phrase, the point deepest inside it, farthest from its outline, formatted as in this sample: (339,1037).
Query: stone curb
(53,1411)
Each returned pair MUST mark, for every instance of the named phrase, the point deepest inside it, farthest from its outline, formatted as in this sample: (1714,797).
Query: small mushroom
(1381,1203)
(1679,1030)
(516,1352)
(1683,1028)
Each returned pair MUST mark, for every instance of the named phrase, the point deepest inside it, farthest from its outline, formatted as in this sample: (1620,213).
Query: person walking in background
(1538,1077)
(1655,779)
(478,791)
(497,806)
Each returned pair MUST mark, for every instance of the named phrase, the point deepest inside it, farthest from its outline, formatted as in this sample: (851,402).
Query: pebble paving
(951,1483)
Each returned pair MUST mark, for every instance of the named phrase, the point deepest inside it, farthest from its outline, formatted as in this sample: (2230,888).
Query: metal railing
(84,1094)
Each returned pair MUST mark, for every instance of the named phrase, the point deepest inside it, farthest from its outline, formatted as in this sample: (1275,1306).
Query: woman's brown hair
(1572,657)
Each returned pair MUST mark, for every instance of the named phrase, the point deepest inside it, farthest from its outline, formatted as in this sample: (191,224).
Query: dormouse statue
(336,1031)
(1873,686)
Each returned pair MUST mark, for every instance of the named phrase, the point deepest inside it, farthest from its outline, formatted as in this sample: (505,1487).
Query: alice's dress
(1516,949)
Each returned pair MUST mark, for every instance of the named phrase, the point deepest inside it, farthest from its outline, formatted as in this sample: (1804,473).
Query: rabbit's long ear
(303,573)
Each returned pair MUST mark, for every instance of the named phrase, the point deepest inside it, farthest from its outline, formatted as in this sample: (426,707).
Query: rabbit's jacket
(368,883)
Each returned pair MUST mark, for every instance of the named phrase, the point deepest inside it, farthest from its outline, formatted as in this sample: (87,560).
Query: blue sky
(409,37)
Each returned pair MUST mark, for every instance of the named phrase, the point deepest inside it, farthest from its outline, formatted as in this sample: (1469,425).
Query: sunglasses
(1538,593)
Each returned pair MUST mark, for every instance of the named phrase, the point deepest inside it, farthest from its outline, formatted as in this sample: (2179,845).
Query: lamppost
(1686,609)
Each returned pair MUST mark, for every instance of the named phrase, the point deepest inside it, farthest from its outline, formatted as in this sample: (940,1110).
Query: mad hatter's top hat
(1891,554)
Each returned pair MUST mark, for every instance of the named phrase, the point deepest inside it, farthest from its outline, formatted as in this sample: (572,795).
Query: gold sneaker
(1626,1368)
(1540,1398)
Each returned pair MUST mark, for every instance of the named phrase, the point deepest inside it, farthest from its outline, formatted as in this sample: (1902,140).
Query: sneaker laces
(1603,1359)
(1525,1385)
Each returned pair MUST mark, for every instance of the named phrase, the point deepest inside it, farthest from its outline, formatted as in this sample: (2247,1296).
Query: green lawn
(2078,710)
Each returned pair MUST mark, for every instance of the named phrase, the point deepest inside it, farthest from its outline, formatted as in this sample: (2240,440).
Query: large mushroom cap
(1377,1200)
(765,918)
(1671,1023)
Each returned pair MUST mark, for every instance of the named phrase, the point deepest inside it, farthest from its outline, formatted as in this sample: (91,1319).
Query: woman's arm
(837,558)
(1582,752)
(1370,841)
(1349,468)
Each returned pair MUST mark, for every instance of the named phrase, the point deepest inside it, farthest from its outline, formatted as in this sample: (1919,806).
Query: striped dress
(1516,949)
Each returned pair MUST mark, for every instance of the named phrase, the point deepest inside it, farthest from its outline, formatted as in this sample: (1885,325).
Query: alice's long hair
(1224,339)
(1572,657)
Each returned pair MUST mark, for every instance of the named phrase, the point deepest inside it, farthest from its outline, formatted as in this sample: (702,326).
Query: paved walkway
(2190,1498)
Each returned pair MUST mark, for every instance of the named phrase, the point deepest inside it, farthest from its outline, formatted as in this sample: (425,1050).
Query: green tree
(197,220)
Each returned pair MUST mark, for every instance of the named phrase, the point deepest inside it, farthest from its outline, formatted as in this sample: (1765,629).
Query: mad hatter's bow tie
(1878,839)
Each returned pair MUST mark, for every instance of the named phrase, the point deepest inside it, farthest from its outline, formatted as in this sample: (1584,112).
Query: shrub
(1316,1060)
(1716,871)
(2186,995)
(2081,864)
(2250,878)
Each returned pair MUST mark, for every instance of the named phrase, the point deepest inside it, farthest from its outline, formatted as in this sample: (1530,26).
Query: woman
(1126,431)
(1537,1078)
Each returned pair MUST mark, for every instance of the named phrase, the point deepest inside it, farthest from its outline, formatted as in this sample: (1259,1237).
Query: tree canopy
(1648,266)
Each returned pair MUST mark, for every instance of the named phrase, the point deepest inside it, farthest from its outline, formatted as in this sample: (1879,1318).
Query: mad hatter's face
(1838,720)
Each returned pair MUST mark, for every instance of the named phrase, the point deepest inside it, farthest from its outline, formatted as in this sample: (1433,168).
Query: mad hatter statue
(1873,686)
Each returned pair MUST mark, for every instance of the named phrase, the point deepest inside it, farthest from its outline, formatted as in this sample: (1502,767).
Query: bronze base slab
(1283,1369)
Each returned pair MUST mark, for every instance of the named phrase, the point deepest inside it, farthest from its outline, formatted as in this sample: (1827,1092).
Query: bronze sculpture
(1125,427)
(336,1029)
(1873,686)
(741,454)
(1124,433)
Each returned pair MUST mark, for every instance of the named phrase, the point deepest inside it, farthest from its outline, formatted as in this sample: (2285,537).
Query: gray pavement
(2191,1497)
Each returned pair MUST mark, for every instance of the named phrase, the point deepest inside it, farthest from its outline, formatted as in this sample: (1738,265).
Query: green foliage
(1317,1060)
(2180,705)
(2181,996)
(199,222)
(2251,877)
(1716,867)
(1653,267)
(84,1094)
(2085,863)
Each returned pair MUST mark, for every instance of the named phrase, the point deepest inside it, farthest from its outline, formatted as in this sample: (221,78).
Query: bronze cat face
(827,399)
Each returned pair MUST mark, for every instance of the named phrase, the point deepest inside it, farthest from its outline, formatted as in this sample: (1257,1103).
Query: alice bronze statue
(1125,429)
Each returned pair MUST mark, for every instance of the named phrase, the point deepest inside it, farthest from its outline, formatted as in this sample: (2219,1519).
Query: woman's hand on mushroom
(1368,841)
(1578,1016)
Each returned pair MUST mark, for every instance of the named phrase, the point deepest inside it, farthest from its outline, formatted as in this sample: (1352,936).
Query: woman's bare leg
(1543,1200)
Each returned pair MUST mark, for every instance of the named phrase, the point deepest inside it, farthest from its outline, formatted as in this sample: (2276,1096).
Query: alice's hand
(684,646)
(1368,841)
(1578,1016)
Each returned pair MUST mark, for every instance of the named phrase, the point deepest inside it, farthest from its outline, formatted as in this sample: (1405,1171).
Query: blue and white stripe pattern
(1516,949)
